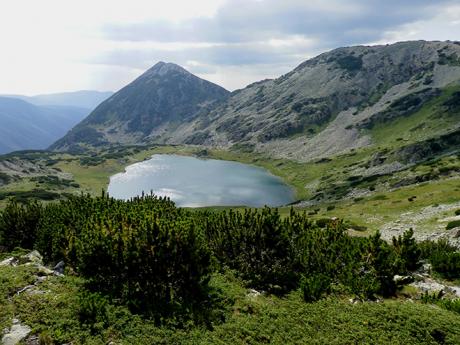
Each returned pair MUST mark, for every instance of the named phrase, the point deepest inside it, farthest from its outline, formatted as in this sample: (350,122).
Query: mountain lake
(196,182)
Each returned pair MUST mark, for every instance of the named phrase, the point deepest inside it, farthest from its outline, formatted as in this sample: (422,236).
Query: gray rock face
(317,109)
(16,333)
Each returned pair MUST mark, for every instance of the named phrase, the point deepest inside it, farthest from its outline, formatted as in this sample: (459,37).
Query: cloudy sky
(65,45)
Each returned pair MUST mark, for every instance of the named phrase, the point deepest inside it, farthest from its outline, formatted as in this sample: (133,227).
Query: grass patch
(435,117)
(243,320)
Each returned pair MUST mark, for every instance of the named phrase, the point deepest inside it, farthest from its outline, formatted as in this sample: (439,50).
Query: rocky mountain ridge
(324,107)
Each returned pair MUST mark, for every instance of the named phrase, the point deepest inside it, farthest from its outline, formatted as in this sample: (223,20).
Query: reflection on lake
(194,182)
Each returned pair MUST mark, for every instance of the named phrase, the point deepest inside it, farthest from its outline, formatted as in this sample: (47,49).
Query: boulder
(32,340)
(403,280)
(9,262)
(354,300)
(59,268)
(33,257)
(455,290)
(424,270)
(429,285)
(253,294)
(17,333)
(418,277)
(44,271)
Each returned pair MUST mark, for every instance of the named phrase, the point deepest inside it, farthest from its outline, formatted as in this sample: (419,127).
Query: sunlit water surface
(194,182)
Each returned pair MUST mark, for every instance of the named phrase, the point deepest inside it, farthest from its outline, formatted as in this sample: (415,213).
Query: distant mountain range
(36,122)
(81,99)
(327,105)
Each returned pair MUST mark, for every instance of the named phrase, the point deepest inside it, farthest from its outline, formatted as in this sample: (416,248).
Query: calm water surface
(194,182)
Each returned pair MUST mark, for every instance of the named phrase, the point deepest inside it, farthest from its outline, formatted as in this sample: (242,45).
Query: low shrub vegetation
(444,258)
(179,268)
(156,257)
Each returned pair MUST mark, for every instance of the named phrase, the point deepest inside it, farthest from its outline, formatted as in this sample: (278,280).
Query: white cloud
(47,45)
(445,25)
(56,45)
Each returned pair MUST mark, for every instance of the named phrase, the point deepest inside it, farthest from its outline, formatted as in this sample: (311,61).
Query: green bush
(157,259)
(428,248)
(323,222)
(453,224)
(18,224)
(408,252)
(257,244)
(372,266)
(436,298)
(92,310)
(314,287)
(446,264)
(444,258)
(145,251)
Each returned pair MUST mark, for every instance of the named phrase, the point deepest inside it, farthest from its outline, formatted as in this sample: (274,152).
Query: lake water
(194,182)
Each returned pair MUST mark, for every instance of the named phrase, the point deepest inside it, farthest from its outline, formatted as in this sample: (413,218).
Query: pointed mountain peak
(162,68)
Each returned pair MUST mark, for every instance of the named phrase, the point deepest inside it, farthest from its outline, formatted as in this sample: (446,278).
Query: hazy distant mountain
(27,126)
(154,104)
(327,105)
(81,99)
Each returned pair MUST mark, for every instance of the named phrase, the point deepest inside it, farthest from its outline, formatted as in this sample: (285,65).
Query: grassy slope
(427,122)
(257,320)
(94,178)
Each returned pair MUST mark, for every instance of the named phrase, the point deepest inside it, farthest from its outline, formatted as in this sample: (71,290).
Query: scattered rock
(429,285)
(448,219)
(32,257)
(253,294)
(42,270)
(32,340)
(403,280)
(455,290)
(17,333)
(354,300)
(9,262)
(59,268)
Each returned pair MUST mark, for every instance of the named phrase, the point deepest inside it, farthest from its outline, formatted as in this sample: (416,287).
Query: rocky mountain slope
(27,126)
(327,105)
(154,104)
